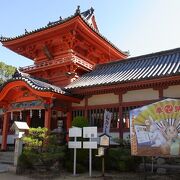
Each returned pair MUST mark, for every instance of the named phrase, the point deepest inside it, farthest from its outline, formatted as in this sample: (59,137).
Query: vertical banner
(155,129)
(107,121)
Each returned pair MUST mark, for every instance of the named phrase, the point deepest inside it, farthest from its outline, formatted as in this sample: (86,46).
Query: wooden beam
(153,83)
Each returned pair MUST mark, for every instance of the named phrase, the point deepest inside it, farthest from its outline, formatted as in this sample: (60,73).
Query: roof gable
(35,83)
(87,17)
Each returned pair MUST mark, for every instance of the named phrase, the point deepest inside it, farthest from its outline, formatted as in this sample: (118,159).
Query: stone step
(7,157)
(4,167)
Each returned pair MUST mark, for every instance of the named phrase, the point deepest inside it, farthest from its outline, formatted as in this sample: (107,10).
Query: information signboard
(76,144)
(155,129)
(75,132)
(89,132)
(90,145)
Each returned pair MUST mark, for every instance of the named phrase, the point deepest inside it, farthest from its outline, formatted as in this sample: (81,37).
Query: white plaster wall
(140,95)
(126,135)
(81,104)
(101,99)
(10,139)
(114,134)
(172,91)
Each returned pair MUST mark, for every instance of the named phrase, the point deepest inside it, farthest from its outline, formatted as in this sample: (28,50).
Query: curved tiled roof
(151,66)
(84,16)
(35,83)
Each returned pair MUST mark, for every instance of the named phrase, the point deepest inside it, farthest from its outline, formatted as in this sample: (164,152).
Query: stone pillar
(5,132)
(47,121)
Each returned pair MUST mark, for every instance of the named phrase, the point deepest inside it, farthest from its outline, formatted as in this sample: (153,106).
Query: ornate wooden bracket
(47,52)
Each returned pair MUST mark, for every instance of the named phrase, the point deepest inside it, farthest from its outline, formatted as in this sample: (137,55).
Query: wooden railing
(74,57)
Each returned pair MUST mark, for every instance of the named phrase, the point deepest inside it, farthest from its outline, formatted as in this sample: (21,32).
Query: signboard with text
(107,121)
(155,129)
(27,104)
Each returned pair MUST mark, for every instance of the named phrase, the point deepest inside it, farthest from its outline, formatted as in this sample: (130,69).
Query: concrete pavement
(4,167)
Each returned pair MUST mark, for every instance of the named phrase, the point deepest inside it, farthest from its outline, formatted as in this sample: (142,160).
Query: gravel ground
(85,176)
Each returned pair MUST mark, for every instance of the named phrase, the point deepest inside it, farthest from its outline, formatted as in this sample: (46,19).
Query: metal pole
(144,161)
(90,162)
(103,166)
(74,167)
(152,168)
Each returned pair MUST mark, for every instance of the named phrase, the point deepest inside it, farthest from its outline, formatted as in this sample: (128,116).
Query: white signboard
(90,145)
(107,121)
(89,132)
(75,144)
(142,134)
(75,132)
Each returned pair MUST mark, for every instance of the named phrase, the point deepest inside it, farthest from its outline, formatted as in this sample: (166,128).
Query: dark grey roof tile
(35,83)
(151,66)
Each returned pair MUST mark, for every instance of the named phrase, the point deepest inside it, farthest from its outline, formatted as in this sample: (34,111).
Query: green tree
(6,72)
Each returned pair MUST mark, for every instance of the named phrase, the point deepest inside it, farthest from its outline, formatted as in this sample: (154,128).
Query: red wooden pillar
(47,121)
(68,123)
(120,117)
(86,105)
(28,119)
(5,132)
(160,93)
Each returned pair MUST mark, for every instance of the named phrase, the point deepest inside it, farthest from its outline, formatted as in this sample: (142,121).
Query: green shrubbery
(80,121)
(120,159)
(40,150)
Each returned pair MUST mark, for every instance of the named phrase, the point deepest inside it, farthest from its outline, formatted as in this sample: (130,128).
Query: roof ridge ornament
(18,74)
(78,11)
(2,38)
(92,10)
(26,32)
(55,22)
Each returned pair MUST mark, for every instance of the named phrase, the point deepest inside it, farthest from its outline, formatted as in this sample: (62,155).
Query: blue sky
(139,26)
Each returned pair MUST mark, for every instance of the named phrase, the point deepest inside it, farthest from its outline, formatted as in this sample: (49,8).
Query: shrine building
(78,72)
